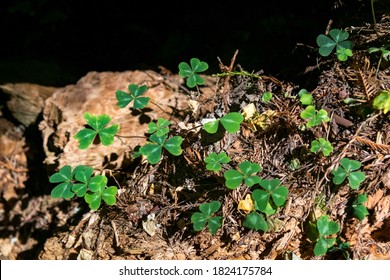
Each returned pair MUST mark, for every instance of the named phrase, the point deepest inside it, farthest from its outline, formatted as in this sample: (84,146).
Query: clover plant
(347,170)
(325,230)
(160,128)
(245,172)
(99,127)
(206,217)
(214,161)
(323,145)
(382,101)
(305,97)
(255,221)
(152,150)
(266,97)
(314,117)
(135,95)
(337,39)
(231,122)
(271,189)
(343,54)
(80,182)
(359,210)
(190,72)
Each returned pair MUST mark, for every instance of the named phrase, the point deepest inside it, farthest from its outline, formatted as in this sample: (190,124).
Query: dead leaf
(246,204)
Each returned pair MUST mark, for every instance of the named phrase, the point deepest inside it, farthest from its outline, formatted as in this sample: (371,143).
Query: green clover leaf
(245,173)
(83,175)
(325,228)
(266,97)
(343,54)
(160,128)
(191,72)
(98,123)
(153,149)
(255,221)
(205,217)
(382,101)
(337,39)
(313,116)
(214,161)
(211,126)
(321,145)
(135,94)
(347,169)
(64,176)
(231,121)
(305,97)
(359,210)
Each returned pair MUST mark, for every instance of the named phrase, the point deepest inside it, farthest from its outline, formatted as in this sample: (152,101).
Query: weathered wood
(95,93)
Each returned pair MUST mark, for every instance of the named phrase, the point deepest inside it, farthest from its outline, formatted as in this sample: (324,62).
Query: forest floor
(152,216)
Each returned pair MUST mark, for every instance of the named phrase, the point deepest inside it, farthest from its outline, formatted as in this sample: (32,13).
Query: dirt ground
(151,219)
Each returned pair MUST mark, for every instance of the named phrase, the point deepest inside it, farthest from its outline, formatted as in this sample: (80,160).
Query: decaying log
(26,100)
(63,116)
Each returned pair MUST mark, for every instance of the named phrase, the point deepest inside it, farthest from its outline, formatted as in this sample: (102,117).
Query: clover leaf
(274,190)
(347,169)
(266,97)
(231,122)
(64,176)
(214,161)
(99,127)
(321,145)
(359,210)
(313,116)
(191,72)
(343,54)
(305,97)
(153,149)
(160,128)
(325,229)
(244,173)
(255,221)
(337,39)
(84,175)
(98,191)
(135,95)
(80,182)
(382,101)
(205,217)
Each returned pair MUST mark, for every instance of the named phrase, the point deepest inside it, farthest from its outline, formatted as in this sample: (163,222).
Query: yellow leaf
(246,204)
(249,111)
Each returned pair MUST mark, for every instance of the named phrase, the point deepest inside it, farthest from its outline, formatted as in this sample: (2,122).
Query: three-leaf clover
(343,54)
(191,72)
(325,229)
(359,210)
(214,161)
(314,117)
(205,217)
(98,191)
(80,182)
(337,39)
(160,128)
(274,190)
(99,127)
(244,173)
(382,101)
(153,149)
(347,169)
(231,122)
(135,94)
(255,221)
(321,145)
(65,177)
